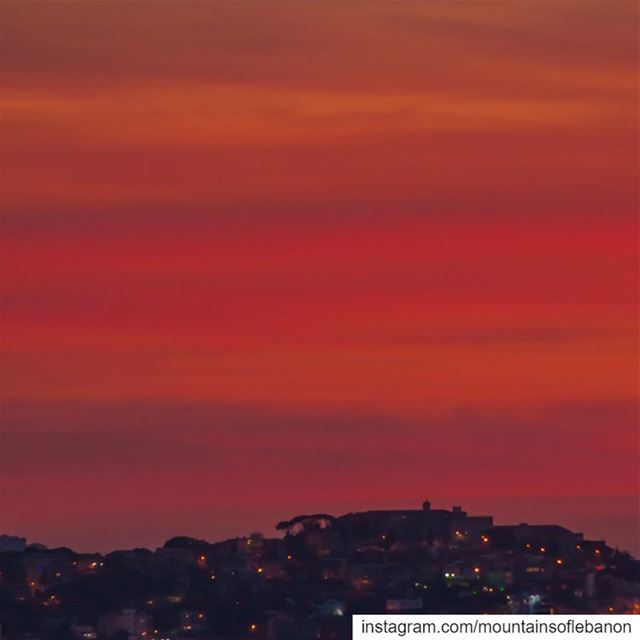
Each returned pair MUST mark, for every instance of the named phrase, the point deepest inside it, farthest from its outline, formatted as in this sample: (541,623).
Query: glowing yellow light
(260,569)
(476,569)
(597,552)
(559,561)
(253,626)
(542,549)
(289,557)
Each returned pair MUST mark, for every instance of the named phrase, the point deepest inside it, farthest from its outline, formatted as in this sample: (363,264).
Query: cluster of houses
(306,583)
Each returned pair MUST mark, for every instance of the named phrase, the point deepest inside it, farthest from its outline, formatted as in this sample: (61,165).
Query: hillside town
(306,583)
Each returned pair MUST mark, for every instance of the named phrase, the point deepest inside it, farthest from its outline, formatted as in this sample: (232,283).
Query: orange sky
(261,258)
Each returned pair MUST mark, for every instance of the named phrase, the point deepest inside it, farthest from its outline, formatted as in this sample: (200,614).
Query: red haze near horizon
(269,258)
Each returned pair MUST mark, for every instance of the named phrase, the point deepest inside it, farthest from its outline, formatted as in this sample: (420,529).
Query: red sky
(263,258)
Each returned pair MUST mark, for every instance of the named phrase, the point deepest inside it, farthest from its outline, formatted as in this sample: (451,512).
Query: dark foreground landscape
(306,583)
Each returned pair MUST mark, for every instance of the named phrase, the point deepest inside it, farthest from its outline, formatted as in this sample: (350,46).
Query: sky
(262,259)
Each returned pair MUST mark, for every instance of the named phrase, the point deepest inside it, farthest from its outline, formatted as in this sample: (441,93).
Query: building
(426,526)
(136,623)
(12,543)
(543,538)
